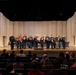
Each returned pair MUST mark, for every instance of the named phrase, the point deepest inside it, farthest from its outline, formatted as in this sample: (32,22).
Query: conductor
(12,40)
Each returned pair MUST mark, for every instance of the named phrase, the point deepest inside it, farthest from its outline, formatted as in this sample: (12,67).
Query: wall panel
(54,28)
(20,24)
(59,28)
(26,28)
(16,28)
(64,30)
(44,28)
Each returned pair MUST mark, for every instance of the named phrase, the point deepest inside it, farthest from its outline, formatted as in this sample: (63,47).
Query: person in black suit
(12,40)
(63,42)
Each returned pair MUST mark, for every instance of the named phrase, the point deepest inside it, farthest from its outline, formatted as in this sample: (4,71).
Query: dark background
(37,10)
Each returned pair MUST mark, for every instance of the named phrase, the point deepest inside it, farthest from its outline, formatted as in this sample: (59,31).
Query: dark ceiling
(37,10)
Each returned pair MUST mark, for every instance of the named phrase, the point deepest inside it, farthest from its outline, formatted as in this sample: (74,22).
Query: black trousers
(12,45)
(63,43)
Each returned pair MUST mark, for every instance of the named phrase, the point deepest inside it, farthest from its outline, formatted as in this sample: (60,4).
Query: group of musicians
(22,41)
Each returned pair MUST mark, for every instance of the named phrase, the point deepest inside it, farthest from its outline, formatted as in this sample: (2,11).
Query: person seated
(21,54)
(34,57)
(72,57)
(59,60)
(18,64)
(47,64)
(73,66)
(43,58)
(12,54)
(11,71)
(35,69)
(29,55)
(4,54)
(67,60)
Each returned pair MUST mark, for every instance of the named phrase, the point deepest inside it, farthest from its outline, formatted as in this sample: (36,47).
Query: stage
(40,51)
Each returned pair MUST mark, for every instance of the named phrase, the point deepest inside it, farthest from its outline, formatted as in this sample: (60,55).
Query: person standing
(35,42)
(20,38)
(63,42)
(42,42)
(47,41)
(24,41)
(12,40)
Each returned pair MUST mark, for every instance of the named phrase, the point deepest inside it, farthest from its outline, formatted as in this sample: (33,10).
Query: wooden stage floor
(48,51)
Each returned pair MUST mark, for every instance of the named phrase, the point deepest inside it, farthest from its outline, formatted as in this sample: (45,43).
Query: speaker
(38,48)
